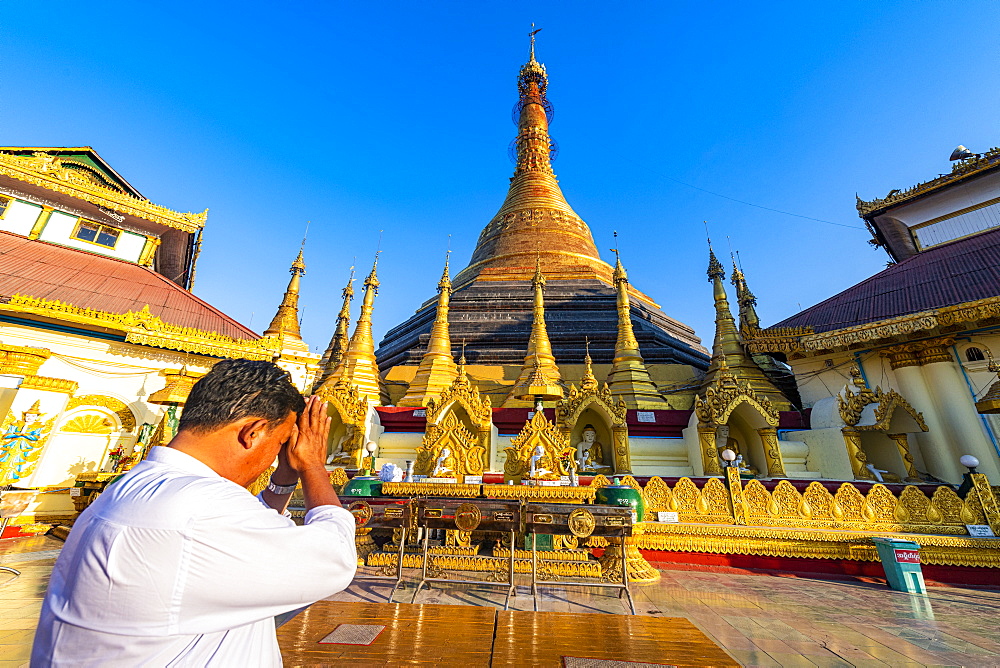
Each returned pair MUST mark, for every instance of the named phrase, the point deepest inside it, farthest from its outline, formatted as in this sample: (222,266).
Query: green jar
(622,495)
(363,485)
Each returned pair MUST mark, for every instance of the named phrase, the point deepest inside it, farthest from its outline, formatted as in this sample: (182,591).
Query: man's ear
(250,431)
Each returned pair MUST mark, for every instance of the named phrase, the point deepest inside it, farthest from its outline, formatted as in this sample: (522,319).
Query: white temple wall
(659,456)
(20,217)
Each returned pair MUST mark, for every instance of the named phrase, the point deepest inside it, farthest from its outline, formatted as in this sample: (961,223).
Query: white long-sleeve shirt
(174,565)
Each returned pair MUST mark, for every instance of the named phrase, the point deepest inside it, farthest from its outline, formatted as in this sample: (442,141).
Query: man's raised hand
(307,447)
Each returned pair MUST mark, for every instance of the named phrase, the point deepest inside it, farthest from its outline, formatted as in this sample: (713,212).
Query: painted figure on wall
(21,445)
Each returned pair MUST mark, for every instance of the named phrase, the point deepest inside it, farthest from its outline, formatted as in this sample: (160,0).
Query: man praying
(177,563)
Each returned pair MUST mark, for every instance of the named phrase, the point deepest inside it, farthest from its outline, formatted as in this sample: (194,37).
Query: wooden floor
(461,635)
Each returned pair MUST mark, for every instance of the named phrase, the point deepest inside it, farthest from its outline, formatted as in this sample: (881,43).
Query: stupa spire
(535,207)
(539,358)
(437,368)
(285,324)
(728,355)
(589,381)
(339,342)
(746,299)
(358,366)
(629,378)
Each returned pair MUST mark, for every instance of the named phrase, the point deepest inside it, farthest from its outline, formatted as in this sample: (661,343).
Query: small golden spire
(285,324)
(729,359)
(539,347)
(746,299)
(437,366)
(589,381)
(358,367)
(339,342)
(629,378)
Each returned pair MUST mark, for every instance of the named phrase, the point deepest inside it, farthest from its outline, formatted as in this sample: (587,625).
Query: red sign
(907,557)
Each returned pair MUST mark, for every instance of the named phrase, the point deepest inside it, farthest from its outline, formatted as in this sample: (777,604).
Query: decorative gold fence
(751,504)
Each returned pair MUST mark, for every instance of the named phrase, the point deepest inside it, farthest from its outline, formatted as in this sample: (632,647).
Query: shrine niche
(592,421)
(451,449)
(543,442)
(348,412)
(876,431)
(460,420)
(731,415)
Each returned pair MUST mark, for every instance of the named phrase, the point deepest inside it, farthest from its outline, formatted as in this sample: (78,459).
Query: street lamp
(729,456)
(969,462)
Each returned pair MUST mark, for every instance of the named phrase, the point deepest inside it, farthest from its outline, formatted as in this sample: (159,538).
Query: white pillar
(958,412)
(936,444)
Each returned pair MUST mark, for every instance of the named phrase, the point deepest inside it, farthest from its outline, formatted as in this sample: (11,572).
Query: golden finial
(588,382)
(538,280)
(620,273)
(532,34)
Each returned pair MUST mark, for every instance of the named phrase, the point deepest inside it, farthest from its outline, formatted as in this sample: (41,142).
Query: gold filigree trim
(143,328)
(49,172)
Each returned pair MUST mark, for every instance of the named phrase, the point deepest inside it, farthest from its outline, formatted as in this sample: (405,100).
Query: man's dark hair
(235,389)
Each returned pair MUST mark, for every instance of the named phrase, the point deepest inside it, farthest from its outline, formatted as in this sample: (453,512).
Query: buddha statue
(590,452)
(535,469)
(444,467)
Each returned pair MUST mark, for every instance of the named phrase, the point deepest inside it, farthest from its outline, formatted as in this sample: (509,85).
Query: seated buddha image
(590,453)
(741,463)
(339,455)
(445,465)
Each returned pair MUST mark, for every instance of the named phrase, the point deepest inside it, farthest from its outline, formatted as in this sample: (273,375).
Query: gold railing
(752,504)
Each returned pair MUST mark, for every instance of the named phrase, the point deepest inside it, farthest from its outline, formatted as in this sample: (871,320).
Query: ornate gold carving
(444,429)
(51,172)
(581,523)
(709,451)
(538,432)
(22,360)
(338,478)
(352,408)
(817,544)
(116,406)
(851,403)
(728,392)
(424,489)
(143,328)
(468,517)
(89,423)
(772,452)
(362,512)
(960,169)
(466,456)
(987,499)
(554,494)
(569,410)
(49,384)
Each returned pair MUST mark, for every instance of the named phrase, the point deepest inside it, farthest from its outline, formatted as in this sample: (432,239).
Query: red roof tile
(954,273)
(87,280)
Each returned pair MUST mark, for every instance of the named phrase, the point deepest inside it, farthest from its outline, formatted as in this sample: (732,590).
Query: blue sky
(395,116)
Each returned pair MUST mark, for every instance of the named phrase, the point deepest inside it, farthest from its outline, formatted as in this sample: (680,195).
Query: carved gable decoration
(346,401)
(852,406)
(723,397)
(116,406)
(466,455)
(538,432)
(569,409)
(462,393)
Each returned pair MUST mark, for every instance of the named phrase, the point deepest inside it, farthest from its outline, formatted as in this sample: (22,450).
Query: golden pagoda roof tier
(535,217)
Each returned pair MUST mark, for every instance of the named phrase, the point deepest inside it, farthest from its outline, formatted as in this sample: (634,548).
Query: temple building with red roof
(910,349)
(100,334)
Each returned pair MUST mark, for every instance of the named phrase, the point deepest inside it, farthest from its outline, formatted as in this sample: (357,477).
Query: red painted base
(14,532)
(813,568)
